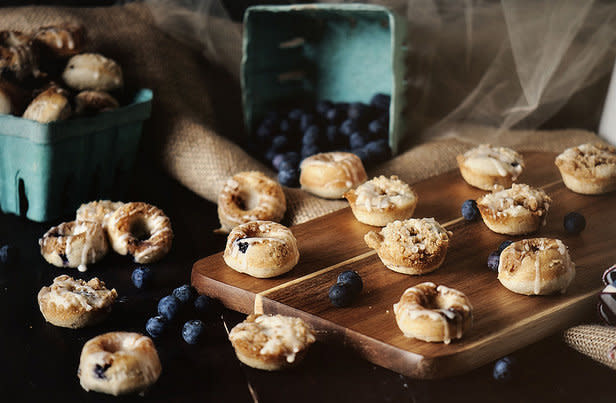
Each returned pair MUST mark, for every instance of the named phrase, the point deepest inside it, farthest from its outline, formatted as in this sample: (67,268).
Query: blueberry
(357,111)
(309,149)
(378,150)
(242,246)
(293,158)
(311,135)
(470,212)
(363,155)
(270,154)
(99,371)
(323,106)
(279,143)
(357,140)
(503,245)
(295,114)
(352,279)
(264,134)
(504,369)
(168,307)
(289,177)
(306,121)
(192,330)
(348,127)
(609,276)
(9,255)
(380,101)
(184,293)
(341,295)
(287,166)
(285,126)
(155,326)
(574,223)
(204,304)
(494,260)
(277,160)
(334,137)
(141,277)
(334,115)
(376,127)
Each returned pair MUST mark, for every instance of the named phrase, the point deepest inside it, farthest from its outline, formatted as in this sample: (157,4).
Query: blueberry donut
(330,175)
(261,249)
(74,244)
(250,196)
(97,211)
(50,105)
(588,168)
(92,102)
(140,230)
(91,71)
(16,55)
(61,41)
(486,166)
(119,363)
(75,303)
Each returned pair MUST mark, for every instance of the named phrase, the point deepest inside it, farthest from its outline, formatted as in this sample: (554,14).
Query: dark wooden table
(39,361)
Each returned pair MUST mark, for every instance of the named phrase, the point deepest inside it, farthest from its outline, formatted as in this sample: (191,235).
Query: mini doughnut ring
(74,244)
(330,175)
(92,102)
(50,105)
(91,71)
(97,211)
(250,196)
(61,40)
(140,230)
(119,363)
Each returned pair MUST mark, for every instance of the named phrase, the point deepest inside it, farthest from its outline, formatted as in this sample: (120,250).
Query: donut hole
(139,229)
(246,201)
(111,345)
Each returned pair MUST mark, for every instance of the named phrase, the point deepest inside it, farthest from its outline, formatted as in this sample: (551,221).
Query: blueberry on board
(503,245)
(352,279)
(184,293)
(494,260)
(311,135)
(340,295)
(470,212)
(279,143)
(168,307)
(306,121)
(348,127)
(333,115)
(295,114)
(155,326)
(323,106)
(574,223)
(357,140)
(609,276)
(8,255)
(289,178)
(309,150)
(504,369)
(141,277)
(192,331)
(380,101)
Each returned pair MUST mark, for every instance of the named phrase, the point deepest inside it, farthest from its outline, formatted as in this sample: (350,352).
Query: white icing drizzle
(518,200)
(66,292)
(350,164)
(489,159)
(383,193)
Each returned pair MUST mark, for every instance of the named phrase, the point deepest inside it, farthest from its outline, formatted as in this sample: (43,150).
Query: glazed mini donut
(330,175)
(250,196)
(382,200)
(74,244)
(413,246)
(261,249)
(140,230)
(118,363)
(588,168)
(538,266)
(271,342)
(514,211)
(74,303)
(97,211)
(61,41)
(92,102)
(91,71)
(50,105)
(16,54)
(486,166)
(433,313)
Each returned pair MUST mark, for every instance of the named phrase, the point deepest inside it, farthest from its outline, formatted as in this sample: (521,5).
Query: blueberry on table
(8,255)
(357,140)
(574,223)
(184,293)
(141,277)
(341,295)
(504,369)
(168,307)
(494,260)
(470,212)
(192,331)
(289,177)
(155,326)
(380,101)
(503,245)
(352,279)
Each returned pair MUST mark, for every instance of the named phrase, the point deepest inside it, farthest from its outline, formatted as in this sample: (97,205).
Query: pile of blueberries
(286,136)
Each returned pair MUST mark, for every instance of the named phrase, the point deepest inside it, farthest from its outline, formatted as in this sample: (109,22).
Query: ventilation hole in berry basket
(292,43)
(23,200)
(291,76)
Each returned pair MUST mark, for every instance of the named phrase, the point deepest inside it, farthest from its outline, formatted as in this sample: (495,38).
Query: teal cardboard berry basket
(336,52)
(47,170)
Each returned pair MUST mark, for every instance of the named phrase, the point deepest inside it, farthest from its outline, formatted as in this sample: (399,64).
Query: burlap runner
(597,342)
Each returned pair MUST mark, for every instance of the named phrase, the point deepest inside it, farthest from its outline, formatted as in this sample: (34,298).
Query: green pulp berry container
(336,52)
(48,170)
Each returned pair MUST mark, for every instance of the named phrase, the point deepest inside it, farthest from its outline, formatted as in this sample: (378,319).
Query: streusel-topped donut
(588,168)
(520,209)
(413,246)
(330,175)
(75,303)
(382,200)
(97,211)
(271,342)
(538,266)
(485,166)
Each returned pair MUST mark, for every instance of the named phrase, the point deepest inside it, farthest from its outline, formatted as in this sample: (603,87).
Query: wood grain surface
(503,321)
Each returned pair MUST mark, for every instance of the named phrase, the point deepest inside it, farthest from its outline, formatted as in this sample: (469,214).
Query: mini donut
(588,168)
(97,211)
(433,313)
(413,246)
(261,249)
(93,102)
(140,230)
(50,105)
(382,200)
(61,41)
(250,196)
(271,342)
(91,71)
(514,211)
(330,175)
(16,54)
(74,303)
(119,363)
(74,244)
(486,166)
(538,266)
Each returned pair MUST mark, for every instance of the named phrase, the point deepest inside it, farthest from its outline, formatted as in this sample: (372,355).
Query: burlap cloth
(597,342)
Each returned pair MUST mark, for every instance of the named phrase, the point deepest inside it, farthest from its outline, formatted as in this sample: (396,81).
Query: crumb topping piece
(516,200)
(66,291)
(415,236)
(382,193)
(591,160)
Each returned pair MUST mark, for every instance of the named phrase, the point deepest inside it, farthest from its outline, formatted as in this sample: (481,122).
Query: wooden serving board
(503,321)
